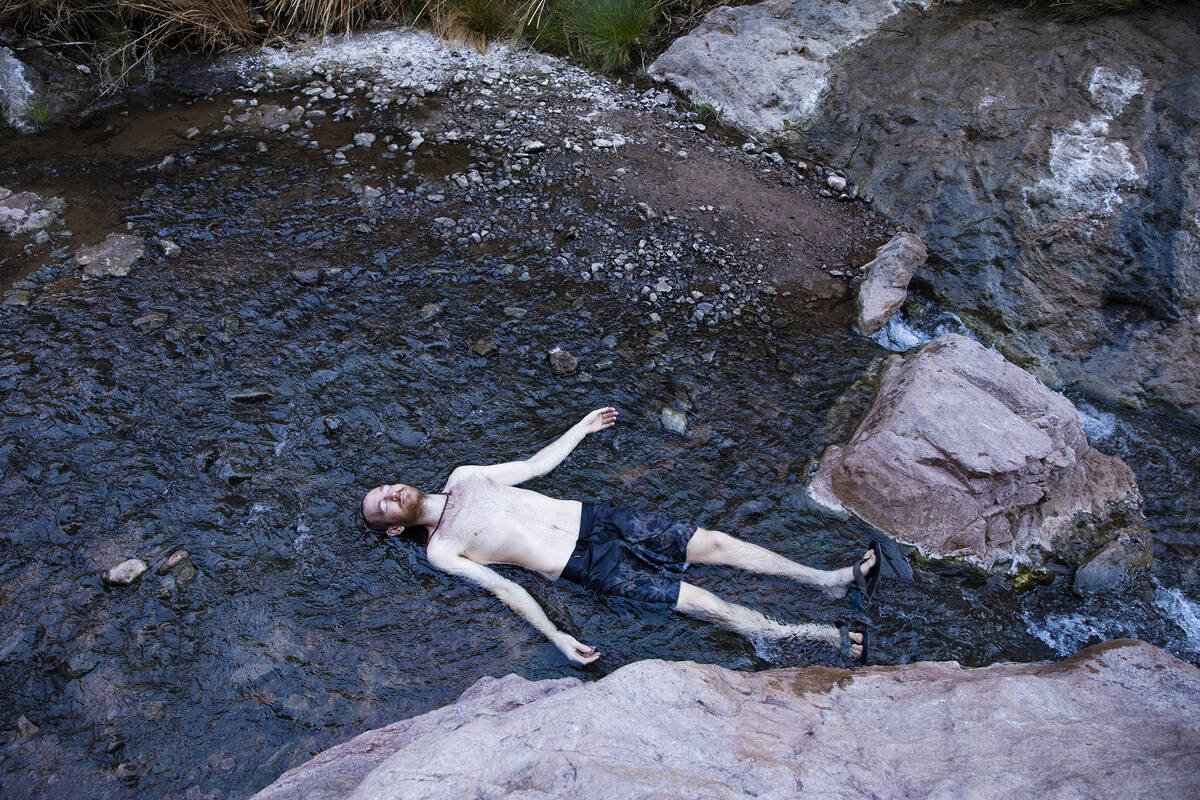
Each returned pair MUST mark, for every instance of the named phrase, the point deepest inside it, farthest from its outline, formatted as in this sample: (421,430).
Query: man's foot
(854,645)
(842,579)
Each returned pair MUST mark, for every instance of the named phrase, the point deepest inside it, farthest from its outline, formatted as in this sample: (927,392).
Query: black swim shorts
(634,554)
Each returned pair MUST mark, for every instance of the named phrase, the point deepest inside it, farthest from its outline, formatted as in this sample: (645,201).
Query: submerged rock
(1117,713)
(1052,165)
(673,420)
(561,362)
(114,257)
(885,284)
(965,454)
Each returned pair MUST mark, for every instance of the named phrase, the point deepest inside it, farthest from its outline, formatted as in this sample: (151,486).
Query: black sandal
(844,632)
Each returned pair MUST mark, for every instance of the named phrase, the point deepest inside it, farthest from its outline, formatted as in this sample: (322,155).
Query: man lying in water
(481,518)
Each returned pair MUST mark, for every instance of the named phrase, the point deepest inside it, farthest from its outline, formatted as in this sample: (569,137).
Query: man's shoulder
(465,473)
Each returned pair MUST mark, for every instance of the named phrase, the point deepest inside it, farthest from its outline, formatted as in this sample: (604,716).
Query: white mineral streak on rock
(1112,92)
(1089,172)
(15,90)
(766,66)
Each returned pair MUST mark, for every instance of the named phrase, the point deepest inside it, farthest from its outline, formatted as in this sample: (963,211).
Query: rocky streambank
(1049,166)
(231,310)
(1116,720)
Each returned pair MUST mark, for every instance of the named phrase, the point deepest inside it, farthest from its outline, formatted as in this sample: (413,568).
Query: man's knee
(697,601)
(706,546)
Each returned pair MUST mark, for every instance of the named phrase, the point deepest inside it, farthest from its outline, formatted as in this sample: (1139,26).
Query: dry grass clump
(120,36)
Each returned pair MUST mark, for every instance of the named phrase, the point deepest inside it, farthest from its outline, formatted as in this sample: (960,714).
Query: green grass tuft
(40,112)
(608,31)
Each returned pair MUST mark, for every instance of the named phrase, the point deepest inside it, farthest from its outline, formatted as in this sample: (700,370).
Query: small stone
(149,322)
(125,573)
(191,133)
(169,248)
(515,312)
(483,347)
(255,394)
(41,237)
(674,420)
(307,277)
(609,341)
(25,728)
(836,182)
(261,147)
(16,298)
(532,146)
(561,362)
(603,364)
(172,561)
(364,140)
(126,770)
(429,311)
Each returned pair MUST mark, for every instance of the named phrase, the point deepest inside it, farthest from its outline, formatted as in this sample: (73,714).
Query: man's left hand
(599,419)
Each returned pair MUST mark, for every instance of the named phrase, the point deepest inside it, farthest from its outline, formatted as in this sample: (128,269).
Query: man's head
(392,507)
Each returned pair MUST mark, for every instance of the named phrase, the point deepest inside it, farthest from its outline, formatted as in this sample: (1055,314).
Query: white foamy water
(1098,425)
(898,336)
(1066,634)
(1183,611)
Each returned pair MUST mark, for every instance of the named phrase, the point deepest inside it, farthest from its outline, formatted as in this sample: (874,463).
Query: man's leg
(702,604)
(715,547)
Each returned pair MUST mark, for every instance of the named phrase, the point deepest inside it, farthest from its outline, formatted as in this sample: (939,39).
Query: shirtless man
(481,518)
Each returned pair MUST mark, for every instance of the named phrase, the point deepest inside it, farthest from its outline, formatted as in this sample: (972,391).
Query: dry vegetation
(120,36)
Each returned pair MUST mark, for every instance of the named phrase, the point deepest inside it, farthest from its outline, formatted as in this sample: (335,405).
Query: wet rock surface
(965,454)
(112,258)
(1049,166)
(1121,714)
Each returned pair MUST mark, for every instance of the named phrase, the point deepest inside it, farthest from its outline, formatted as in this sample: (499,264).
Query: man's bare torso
(490,523)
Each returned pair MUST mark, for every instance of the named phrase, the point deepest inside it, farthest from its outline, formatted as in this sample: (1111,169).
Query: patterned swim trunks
(628,553)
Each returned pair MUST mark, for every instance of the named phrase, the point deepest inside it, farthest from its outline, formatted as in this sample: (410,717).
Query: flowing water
(297,629)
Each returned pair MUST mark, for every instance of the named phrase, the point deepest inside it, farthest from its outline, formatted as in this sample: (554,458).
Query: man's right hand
(574,649)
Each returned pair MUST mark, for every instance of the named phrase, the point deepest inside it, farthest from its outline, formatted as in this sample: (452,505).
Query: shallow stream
(298,630)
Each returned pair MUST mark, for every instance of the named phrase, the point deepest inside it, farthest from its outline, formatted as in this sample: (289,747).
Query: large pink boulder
(1116,720)
(965,454)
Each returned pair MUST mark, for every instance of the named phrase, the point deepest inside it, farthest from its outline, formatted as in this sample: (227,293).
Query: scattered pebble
(561,362)
(125,573)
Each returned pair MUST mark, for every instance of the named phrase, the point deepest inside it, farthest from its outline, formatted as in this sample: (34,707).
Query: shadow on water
(298,630)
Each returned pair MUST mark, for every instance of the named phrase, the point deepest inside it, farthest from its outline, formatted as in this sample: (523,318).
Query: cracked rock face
(965,454)
(1053,169)
(1122,715)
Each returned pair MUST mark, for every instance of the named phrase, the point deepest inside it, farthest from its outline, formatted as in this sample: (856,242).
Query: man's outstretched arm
(550,456)
(515,597)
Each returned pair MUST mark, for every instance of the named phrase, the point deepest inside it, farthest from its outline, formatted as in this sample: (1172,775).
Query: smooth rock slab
(113,257)
(1116,720)
(885,285)
(965,454)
